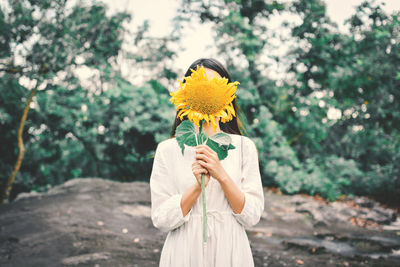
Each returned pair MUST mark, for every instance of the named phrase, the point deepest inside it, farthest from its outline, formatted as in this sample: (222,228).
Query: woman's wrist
(233,194)
(224,177)
(197,188)
(189,198)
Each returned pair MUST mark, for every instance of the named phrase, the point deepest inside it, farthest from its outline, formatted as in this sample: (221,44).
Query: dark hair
(233,126)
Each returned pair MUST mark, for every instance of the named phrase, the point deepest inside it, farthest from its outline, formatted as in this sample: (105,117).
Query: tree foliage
(86,118)
(328,126)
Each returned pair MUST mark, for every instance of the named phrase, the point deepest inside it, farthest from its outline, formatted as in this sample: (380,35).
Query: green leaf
(220,143)
(221,138)
(185,134)
(202,137)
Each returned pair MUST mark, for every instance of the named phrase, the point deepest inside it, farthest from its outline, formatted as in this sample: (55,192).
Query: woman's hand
(208,159)
(197,170)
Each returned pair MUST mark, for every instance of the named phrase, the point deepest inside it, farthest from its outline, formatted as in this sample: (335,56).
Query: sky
(160,13)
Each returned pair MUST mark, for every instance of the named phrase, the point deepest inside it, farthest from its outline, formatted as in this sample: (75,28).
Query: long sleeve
(251,186)
(166,212)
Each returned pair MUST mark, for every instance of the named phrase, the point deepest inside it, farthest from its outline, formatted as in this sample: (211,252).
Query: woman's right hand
(197,170)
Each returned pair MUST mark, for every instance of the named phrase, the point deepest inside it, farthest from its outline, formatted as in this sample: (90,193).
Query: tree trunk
(21,148)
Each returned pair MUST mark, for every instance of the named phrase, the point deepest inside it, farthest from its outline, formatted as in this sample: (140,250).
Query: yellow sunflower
(205,99)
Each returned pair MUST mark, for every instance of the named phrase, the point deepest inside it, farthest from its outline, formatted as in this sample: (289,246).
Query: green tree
(87,118)
(355,73)
(43,39)
(304,147)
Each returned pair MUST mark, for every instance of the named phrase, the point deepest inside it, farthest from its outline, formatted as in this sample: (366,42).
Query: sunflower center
(205,97)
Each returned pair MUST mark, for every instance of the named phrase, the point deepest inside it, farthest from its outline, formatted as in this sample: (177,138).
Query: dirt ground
(98,222)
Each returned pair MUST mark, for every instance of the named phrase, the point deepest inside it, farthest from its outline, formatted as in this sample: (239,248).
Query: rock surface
(98,222)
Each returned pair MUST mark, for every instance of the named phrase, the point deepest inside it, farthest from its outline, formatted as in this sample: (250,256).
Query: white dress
(227,241)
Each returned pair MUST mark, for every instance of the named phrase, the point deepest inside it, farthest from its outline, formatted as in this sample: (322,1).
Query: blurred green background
(327,124)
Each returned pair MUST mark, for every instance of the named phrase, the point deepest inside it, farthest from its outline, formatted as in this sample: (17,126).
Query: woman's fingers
(197,165)
(201,162)
(204,164)
(202,157)
(197,168)
(200,171)
(203,149)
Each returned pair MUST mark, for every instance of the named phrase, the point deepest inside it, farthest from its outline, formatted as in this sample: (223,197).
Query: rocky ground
(98,222)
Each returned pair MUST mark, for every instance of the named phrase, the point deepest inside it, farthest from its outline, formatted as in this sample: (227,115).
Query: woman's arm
(208,158)
(189,198)
(233,194)
(246,199)
(166,200)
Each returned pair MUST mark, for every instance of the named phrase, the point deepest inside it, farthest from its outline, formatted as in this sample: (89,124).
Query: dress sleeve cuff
(181,217)
(169,215)
(244,210)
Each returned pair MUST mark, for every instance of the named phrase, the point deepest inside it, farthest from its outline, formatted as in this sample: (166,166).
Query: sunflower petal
(213,123)
(201,98)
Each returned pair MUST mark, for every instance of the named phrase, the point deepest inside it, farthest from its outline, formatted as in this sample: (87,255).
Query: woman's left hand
(208,158)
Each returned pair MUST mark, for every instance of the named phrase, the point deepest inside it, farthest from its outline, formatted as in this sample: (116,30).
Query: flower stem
(203,191)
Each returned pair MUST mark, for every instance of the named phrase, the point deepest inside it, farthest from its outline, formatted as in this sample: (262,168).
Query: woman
(234,194)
